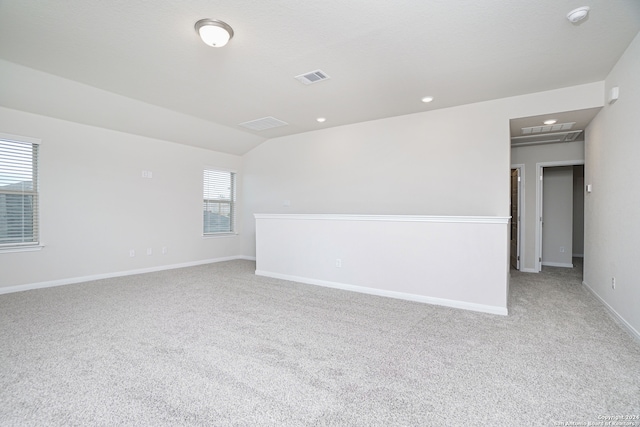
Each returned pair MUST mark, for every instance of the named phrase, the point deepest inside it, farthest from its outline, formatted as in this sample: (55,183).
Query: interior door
(540,218)
(515,218)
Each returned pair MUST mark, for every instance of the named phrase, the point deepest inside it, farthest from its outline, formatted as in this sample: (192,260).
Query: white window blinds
(219,202)
(18,193)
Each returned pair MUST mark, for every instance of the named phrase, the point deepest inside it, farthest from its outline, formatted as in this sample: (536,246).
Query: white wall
(557,208)
(612,209)
(95,205)
(452,261)
(453,161)
(530,156)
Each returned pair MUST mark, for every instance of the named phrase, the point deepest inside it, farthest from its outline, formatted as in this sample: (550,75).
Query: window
(219,202)
(18,192)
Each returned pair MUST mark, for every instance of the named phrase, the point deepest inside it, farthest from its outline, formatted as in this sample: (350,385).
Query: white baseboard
(557,264)
(630,329)
(247,258)
(529,270)
(73,280)
(391,294)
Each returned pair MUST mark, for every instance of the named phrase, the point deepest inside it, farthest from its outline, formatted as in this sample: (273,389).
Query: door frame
(539,189)
(521,211)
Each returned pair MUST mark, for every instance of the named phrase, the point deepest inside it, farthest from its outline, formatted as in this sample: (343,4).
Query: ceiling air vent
(263,123)
(547,138)
(312,77)
(572,136)
(548,128)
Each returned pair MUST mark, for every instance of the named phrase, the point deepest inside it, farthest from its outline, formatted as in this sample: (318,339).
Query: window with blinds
(219,202)
(18,193)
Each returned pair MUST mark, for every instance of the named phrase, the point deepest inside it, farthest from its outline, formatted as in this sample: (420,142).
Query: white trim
(73,280)
(20,138)
(390,294)
(218,168)
(625,325)
(529,270)
(25,248)
(557,264)
(218,235)
(391,218)
(539,170)
(247,258)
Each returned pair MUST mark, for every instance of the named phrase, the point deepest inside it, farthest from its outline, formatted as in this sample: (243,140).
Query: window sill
(11,249)
(218,235)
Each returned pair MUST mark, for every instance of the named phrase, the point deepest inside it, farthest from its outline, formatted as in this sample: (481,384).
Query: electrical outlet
(164,250)
(338,263)
(132,252)
(613,282)
(561,249)
(149,251)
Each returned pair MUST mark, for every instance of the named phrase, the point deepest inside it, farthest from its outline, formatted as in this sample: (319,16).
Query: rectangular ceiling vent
(558,127)
(263,123)
(547,138)
(572,136)
(312,77)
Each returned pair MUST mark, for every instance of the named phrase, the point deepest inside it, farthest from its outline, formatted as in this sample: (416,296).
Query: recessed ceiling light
(427,99)
(550,122)
(321,119)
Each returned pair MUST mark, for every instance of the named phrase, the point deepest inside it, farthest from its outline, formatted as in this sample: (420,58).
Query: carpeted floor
(216,345)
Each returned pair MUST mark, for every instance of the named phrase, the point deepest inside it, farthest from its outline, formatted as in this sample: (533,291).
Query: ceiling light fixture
(577,15)
(321,120)
(550,122)
(213,32)
(427,99)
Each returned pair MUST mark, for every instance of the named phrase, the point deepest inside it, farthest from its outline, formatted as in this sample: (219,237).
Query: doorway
(560,213)
(514,229)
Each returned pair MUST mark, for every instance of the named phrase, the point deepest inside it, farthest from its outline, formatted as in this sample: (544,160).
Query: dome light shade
(577,15)
(214,33)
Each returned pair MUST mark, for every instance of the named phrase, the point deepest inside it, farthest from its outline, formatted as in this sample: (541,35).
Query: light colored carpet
(216,345)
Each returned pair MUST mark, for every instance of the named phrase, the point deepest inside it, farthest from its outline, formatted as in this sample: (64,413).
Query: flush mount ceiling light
(427,99)
(550,122)
(321,120)
(577,15)
(213,32)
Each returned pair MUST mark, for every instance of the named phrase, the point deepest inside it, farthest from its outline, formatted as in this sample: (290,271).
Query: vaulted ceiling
(382,57)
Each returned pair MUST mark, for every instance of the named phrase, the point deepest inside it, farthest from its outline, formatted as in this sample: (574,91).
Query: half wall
(455,261)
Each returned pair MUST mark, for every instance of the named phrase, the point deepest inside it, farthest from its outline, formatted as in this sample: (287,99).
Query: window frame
(231,201)
(36,244)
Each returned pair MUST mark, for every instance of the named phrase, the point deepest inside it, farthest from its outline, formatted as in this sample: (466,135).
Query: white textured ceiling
(382,56)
